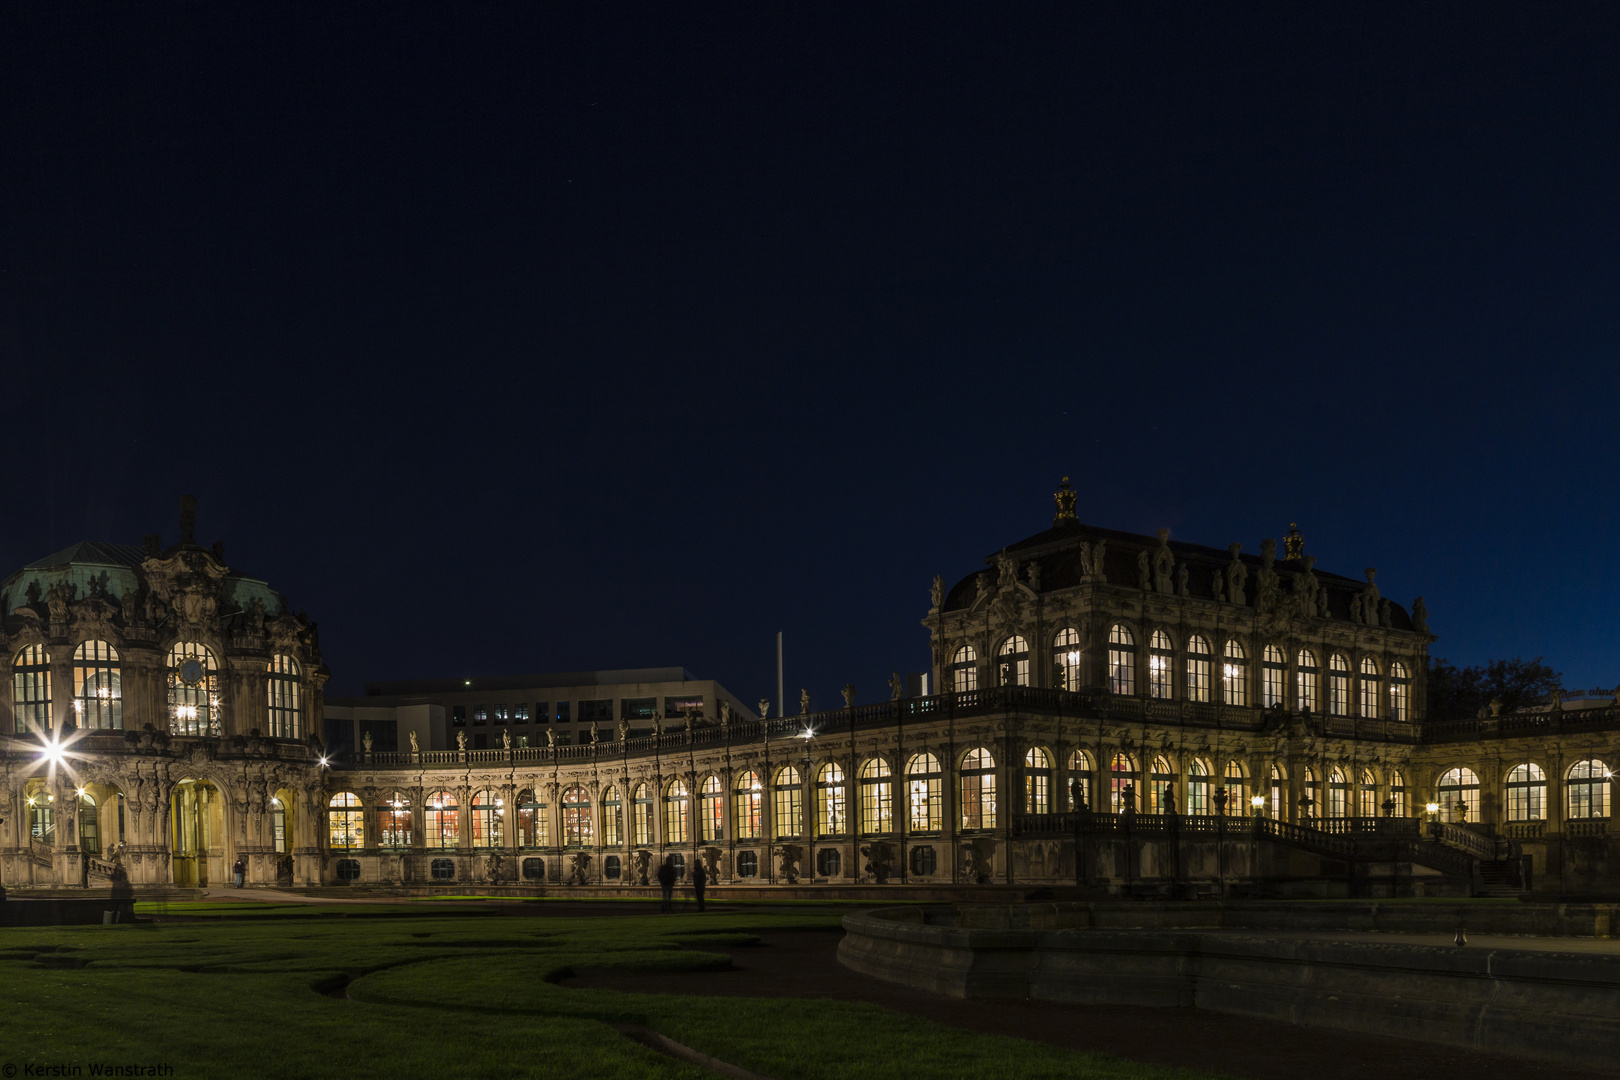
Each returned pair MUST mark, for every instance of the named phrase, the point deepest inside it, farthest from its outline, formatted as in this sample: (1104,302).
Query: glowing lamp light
(807,734)
(1433,807)
(78,706)
(1258,801)
(323,762)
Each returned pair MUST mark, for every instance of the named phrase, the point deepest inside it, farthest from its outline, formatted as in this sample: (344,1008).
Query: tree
(1456,692)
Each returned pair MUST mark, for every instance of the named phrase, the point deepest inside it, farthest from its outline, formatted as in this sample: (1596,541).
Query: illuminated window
(1122,779)
(965,670)
(1338,804)
(576,817)
(877,797)
(278,825)
(346,818)
(42,816)
(1588,787)
(1311,793)
(1198,788)
(1338,685)
(1121,660)
(1277,804)
(98,696)
(748,806)
(1459,795)
(1369,688)
(1066,660)
(488,819)
(1198,668)
(925,801)
(440,826)
(831,811)
(1079,772)
(677,812)
(1037,781)
(1400,692)
(1307,681)
(1397,793)
(89,827)
(31,690)
(1367,795)
(1162,787)
(284,689)
(978,777)
(788,803)
(711,810)
(534,823)
(1012,662)
(1237,786)
(612,818)
(1273,668)
(1235,674)
(394,821)
(193,690)
(1160,665)
(641,806)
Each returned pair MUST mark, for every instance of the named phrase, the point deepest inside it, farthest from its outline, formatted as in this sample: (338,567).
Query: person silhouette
(700,878)
(666,883)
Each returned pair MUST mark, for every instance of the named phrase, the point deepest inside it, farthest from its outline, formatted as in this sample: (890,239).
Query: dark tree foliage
(1456,692)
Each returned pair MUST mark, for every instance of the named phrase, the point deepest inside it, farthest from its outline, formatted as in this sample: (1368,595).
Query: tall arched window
(641,821)
(31,690)
(877,797)
(1588,787)
(1235,673)
(1198,793)
(978,776)
(534,823)
(193,690)
(1311,795)
(98,695)
(441,827)
(1367,795)
(1037,781)
(1369,688)
(1459,795)
(1122,784)
(748,806)
(1338,685)
(488,819)
(1012,662)
(831,811)
(1338,794)
(612,818)
(1198,668)
(1526,793)
(789,802)
(394,821)
(1400,692)
(1079,770)
(1277,803)
(1121,659)
(284,687)
(711,810)
(1237,784)
(1066,659)
(1161,666)
(346,817)
(925,797)
(1273,670)
(89,827)
(1397,793)
(1307,681)
(1162,787)
(278,826)
(965,669)
(677,813)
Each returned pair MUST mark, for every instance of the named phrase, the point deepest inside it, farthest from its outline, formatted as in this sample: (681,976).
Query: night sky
(534,339)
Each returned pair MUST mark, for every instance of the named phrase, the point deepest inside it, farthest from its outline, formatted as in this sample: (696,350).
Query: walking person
(700,878)
(666,883)
(240,870)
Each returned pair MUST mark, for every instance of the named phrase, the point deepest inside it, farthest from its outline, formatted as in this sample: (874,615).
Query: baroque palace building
(1116,712)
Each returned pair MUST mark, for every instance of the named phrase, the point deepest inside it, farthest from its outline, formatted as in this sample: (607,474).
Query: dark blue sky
(513,340)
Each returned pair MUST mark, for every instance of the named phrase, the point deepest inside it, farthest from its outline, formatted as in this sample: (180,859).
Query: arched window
(1397,793)
(1198,793)
(284,687)
(877,797)
(98,696)
(677,812)
(1338,685)
(1310,799)
(394,821)
(831,812)
(1037,781)
(1459,795)
(748,806)
(1307,681)
(978,776)
(1012,662)
(346,818)
(1526,793)
(278,826)
(31,690)
(1273,670)
(1122,784)
(612,818)
(193,690)
(1066,659)
(1400,692)
(1237,785)
(1235,674)
(1588,787)
(42,816)
(1079,771)
(1367,795)
(1198,668)
(1121,659)
(1338,805)
(1277,805)
(789,802)
(89,828)
(1369,688)
(965,669)
(925,797)
(711,810)
(1161,667)
(441,827)
(641,806)
(534,824)
(488,819)
(576,817)
(1162,787)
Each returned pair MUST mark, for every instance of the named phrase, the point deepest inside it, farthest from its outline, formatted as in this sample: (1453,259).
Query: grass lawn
(456,995)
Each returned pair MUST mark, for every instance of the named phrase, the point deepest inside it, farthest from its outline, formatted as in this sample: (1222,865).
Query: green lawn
(456,995)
